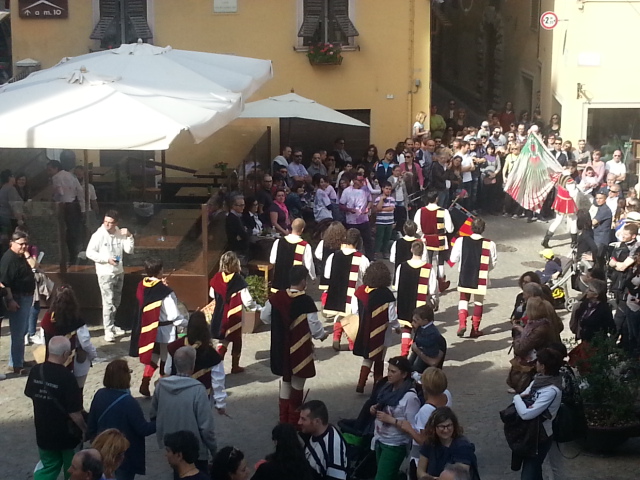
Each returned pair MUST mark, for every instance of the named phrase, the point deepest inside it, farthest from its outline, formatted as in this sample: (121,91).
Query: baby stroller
(561,286)
(358,434)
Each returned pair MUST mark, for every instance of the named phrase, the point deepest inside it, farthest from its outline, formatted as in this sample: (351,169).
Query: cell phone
(40,257)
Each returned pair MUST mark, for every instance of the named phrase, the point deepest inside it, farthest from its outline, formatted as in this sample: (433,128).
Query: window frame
(299,44)
(534,23)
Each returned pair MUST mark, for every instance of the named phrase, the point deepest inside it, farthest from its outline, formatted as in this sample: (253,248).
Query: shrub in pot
(258,289)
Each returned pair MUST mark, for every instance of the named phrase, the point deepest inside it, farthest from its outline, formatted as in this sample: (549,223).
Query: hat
(633,216)
(485,124)
(547,253)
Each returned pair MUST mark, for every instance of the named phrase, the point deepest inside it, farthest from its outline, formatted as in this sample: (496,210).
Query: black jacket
(438,178)
(237,234)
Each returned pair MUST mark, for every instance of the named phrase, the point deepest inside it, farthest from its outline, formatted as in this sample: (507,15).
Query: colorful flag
(532,175)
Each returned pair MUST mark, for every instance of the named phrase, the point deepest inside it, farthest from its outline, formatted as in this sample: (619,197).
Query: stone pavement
(476,370)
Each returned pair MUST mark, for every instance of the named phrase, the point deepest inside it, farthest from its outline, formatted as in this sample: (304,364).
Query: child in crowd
(552,268)
(429,346)
(385,206)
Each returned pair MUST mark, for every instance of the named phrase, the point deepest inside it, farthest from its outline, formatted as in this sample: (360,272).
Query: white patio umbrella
(292,105)
(135,97)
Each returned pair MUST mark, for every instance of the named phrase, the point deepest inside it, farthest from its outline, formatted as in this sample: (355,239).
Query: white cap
(485,124)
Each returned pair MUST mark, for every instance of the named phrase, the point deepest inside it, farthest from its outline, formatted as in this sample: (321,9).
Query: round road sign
(548,20)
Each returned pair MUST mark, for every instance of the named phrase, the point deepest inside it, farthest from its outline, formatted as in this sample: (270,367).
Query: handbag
(570,422)
(523,436)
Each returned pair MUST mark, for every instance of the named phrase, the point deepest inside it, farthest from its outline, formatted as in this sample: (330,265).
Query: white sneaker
(109,337)
(118,331)
(36,339)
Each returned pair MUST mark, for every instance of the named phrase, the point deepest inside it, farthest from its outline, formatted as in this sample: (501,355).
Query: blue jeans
(532,466)
(18,324)
(33,318)
(443,198)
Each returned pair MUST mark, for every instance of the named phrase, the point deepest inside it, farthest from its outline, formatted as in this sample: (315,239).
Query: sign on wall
(225,6)
(548,20)
(44,9)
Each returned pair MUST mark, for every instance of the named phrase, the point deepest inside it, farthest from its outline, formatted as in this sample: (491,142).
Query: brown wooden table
(187,181)
(208,173)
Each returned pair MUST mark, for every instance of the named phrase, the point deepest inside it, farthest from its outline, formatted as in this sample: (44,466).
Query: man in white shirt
(616,167)
(497,138)
(613,197)
(68,191)
(356,203)
(466,167)
(106,249)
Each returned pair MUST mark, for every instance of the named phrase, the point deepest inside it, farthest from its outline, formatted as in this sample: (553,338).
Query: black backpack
(570,422)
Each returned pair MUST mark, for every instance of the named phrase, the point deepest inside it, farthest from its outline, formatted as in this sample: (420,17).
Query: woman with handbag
(114,407)
(541,400)
(63,318)
(538,333)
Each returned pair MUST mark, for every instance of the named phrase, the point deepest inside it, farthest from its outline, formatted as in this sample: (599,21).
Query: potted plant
(258,289)
(610,384)
(222,166)
(325,54)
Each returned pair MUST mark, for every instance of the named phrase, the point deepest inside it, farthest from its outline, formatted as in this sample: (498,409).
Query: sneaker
(118,331)
(109,337)
(532,220)
(514,216)
(505,214)
(3,376)
(36,339)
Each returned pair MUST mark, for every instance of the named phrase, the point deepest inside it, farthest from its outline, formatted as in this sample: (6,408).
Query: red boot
(362,380)
(462,322)
(443,284)
(283,405)
(337,335)
(295,401)
(475,329)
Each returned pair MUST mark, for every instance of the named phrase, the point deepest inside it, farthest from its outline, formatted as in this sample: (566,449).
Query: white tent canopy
(136,97)
(292,105)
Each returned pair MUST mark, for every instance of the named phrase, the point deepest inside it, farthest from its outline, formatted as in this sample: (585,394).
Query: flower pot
(608,439)
(326,61)
(251,322)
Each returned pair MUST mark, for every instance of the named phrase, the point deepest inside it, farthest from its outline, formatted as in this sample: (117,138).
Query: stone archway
(490,59)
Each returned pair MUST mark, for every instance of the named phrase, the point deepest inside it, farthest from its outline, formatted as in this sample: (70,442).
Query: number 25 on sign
(548,20)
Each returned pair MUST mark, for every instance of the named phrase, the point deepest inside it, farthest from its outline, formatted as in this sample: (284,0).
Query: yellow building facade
(385,72)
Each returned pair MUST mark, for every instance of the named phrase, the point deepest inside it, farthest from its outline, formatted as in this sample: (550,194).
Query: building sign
(44,9)
(225,6)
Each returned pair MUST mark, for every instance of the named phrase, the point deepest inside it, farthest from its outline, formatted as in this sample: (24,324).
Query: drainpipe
(412,31)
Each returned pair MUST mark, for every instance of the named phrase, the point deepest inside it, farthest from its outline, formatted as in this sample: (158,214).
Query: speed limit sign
(548,20)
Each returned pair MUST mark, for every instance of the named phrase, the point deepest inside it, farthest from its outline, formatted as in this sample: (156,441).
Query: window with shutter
(326,21)
(112,25)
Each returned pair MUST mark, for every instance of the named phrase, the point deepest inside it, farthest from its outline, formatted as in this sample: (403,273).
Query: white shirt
(616,168)
(104,246)
(67,188)
(420,422)
(467,161)
(315,325)
(364,264)
(456,252)
(92,196)
(307,257)
(612,203)
(169,312)
(545,398)
(81,369)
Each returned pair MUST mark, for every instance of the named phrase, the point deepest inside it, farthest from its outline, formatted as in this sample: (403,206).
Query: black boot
(574,240)
(547,237)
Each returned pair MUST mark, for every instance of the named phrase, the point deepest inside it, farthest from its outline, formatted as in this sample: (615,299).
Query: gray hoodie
(181,403)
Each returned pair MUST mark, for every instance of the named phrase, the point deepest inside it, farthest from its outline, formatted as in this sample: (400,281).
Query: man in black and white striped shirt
(324,447)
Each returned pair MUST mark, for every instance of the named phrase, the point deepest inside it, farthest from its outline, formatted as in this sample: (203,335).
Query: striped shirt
(385,218)
(327,455)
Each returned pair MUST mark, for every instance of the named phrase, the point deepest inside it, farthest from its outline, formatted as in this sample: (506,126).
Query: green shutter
(108,13)
(313,13)
(340,13)
(137,13)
